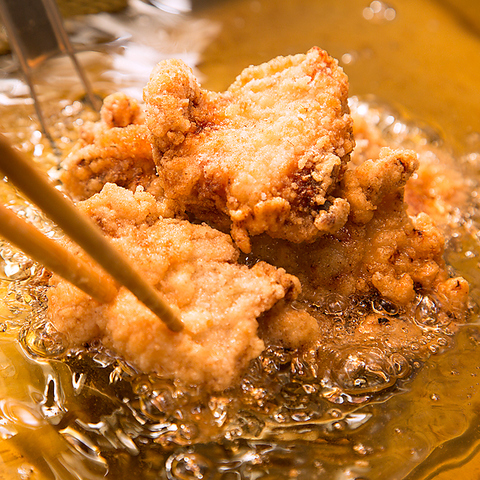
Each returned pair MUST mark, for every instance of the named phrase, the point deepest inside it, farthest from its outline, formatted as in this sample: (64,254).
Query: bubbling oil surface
(341,411)
(336,411)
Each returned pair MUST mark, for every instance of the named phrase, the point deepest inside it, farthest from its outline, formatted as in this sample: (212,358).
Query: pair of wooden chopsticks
(35,185)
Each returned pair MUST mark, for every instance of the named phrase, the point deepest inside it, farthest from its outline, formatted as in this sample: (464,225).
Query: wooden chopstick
(35,185)
(55,257)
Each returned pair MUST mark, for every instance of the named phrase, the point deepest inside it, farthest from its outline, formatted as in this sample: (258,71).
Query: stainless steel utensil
(36,32)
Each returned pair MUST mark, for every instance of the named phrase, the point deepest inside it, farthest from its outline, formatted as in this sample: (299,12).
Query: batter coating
(263,157)
(116,150)
(195,268)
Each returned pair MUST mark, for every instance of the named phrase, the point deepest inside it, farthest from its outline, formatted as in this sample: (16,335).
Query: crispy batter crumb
(381,252)
(269,161)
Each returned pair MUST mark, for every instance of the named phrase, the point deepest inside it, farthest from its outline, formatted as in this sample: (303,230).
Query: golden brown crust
(115,150)
(438,187)
(195,268)
(267,154)
(367,185)
(380,253)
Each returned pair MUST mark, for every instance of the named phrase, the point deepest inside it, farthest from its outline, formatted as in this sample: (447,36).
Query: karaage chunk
(195,268)
(116,149)
(381,254)
(366,186)
(265,156)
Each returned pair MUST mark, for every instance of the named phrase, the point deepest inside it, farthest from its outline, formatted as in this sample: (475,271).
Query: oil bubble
(339,426)
(141,387)
(188,431)
(400,364)
(362,370)
(103,359)
(309,389)
(335,304)
(280,417)
(157,404)
(269,365)
(251,425)
(301,417)
(42,341)
(384,307)
(426,313)
(360,306)
(335,413)
(188,466)
(219,408)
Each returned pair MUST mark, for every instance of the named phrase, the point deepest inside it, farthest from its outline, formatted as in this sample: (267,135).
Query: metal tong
(36,32)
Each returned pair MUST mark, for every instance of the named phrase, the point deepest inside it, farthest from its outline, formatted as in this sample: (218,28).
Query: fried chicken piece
(265,156)
(114,150)
(195,268)
(382,255)
(270,158)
